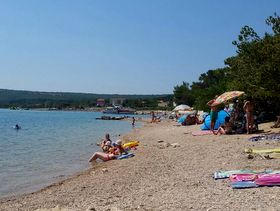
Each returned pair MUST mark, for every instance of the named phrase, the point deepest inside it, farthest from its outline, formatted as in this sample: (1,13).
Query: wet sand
(163,177)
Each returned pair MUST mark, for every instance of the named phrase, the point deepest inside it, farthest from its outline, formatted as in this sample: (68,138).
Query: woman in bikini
(111,154)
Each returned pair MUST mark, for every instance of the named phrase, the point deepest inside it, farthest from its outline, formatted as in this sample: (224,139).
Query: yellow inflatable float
(131,144)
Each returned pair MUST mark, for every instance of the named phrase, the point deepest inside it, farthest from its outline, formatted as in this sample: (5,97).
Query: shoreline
(161,177)
(93,109)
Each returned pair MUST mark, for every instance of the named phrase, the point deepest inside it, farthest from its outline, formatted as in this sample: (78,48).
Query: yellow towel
(262,151)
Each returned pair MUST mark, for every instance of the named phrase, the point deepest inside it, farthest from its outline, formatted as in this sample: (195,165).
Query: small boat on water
(118,110)
(110,118)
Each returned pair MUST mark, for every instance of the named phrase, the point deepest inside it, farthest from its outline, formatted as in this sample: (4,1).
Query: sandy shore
(161,177)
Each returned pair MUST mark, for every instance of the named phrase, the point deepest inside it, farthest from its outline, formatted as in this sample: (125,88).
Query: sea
(49,147)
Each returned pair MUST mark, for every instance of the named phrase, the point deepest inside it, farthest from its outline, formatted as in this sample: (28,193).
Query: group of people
(227,127)
(110,150)
(155,119)
(191,119)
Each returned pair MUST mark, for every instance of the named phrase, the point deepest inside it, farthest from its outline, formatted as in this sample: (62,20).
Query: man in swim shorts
(249,110)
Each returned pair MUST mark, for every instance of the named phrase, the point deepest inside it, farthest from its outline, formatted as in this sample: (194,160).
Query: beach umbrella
(226,97)
(186,112)
(182,107)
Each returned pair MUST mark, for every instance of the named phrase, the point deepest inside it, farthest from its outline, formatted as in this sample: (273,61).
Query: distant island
(15,99)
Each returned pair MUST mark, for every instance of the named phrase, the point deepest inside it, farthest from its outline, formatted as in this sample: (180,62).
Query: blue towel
(247,184)
(129,155)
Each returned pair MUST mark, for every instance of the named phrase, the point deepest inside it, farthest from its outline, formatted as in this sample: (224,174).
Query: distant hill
(18,98)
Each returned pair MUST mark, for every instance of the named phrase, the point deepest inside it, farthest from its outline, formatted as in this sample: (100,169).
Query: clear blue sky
(119,46)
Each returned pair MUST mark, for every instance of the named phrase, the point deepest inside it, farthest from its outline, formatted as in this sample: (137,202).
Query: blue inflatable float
(220,120)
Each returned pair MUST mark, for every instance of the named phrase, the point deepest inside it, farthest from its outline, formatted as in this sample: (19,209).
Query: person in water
(17,127)
(111,154)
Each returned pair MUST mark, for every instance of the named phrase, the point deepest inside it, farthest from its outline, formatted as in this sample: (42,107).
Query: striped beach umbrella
(226,97)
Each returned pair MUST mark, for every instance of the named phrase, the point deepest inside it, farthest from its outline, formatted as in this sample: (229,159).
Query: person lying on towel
(111,154)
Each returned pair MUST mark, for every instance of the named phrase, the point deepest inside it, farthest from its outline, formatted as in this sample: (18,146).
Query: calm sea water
(50,146)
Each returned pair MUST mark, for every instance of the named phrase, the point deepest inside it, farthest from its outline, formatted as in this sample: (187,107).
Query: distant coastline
(79,101)
(92,109)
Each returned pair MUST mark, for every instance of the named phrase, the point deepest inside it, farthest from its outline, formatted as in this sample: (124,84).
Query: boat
(118,110)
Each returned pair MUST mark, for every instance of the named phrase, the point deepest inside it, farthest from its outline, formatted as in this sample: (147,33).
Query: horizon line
(69,92)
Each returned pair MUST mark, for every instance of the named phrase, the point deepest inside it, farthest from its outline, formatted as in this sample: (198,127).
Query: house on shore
(100,102)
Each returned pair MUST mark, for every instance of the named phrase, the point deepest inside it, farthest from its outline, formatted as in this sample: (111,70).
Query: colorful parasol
(226,97)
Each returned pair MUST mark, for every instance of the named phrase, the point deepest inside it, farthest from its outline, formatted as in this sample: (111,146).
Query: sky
(120,46)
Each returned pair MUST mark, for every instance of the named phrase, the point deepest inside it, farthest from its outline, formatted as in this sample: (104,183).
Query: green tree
(212,83)
(255,68)
(182,94)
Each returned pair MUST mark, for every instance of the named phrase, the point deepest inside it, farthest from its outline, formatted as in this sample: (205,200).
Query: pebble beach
(171,170)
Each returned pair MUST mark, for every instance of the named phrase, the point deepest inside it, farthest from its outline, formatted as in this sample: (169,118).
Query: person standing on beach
(249,110)
(153,117)
(213,113)
(133,122)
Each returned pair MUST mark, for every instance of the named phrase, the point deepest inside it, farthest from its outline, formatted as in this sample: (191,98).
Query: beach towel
(202,133)
(243,177)
(129,155)
(250,181)
(261,179)
(272,136)
(227,174)
(247,184)
(268,179)
(261,151)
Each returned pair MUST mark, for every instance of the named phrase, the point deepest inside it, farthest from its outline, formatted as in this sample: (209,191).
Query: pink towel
(268,179)
(202,133)
(243,177)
